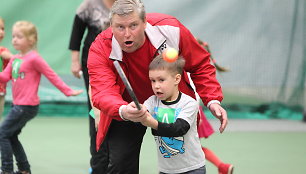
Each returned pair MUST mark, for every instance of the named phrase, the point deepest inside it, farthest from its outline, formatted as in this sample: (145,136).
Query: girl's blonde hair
(1,19)
(29,30)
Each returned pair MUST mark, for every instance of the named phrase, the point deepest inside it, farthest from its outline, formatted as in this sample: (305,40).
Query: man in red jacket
(134,39)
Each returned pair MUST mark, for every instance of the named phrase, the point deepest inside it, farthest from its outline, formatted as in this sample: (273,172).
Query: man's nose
(127,32)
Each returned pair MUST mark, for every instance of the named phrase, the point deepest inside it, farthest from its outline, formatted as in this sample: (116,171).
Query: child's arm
(42,66)
(179,128)
(76,92)
(6,55)
(149,121)
(5,75)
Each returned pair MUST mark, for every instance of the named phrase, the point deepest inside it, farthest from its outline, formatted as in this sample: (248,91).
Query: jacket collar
(155,36)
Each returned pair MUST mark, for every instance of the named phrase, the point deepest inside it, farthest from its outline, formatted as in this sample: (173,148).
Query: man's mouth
(128,43)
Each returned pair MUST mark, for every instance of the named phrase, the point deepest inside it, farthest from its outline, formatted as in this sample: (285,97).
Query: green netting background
(262,43)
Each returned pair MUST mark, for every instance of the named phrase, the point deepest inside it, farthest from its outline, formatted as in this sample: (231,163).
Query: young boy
(172,115)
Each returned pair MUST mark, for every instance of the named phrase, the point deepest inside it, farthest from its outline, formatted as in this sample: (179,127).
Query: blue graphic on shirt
(169,146)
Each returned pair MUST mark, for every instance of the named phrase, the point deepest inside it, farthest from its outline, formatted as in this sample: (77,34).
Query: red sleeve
(202,73)
(106,91)
(5,75)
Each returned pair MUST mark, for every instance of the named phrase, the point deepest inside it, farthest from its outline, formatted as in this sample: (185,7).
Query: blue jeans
(10,128)
(201,170)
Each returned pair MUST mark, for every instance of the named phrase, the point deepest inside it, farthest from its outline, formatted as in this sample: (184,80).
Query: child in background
(5,55)
(172,115)
(25,70)
(206,47)
(205,129)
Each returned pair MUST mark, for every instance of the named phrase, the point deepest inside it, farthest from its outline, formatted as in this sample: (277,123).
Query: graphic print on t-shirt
(169,146)
(15,68)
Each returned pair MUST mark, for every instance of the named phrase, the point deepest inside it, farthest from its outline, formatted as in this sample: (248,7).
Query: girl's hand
(76,92)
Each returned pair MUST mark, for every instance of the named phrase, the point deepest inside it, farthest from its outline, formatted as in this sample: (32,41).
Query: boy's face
(129,31)
(2,32)
(165,84)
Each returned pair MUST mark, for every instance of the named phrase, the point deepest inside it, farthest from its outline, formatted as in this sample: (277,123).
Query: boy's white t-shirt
(177,154)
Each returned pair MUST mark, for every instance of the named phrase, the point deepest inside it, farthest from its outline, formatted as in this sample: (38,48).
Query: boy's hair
(125,7)
(158,63)
(29,30)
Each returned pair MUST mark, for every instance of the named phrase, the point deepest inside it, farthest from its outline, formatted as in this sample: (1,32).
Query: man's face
(129,31)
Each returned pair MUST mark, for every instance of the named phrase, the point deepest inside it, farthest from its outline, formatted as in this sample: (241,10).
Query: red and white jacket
(108,91)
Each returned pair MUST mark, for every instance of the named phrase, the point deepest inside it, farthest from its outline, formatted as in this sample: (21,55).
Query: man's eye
(120,27)
(134,26)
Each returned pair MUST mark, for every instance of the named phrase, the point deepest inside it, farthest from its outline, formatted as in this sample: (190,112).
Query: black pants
(121,149)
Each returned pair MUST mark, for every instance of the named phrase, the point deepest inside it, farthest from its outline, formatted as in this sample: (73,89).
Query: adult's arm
(106,92)
(78,30)
(203,75)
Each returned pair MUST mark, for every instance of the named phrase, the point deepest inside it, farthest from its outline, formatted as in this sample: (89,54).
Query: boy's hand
(76,92)
(220,114)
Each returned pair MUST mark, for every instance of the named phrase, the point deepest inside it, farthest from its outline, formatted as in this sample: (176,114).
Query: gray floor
(262,125)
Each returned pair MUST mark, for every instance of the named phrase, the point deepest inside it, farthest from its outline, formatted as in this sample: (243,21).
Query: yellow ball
(170,55)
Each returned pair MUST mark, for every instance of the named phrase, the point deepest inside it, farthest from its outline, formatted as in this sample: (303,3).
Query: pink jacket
(25,86)
(161,31)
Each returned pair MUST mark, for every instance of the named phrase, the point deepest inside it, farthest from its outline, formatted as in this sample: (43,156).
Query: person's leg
(223,168)
(13,123)
(94,161)
(124,143)
(100,159)
(1,105)
(18,150)
(211,157)
(20,155)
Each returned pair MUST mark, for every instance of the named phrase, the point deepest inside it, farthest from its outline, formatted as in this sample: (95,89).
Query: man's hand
(220,114)
(130,112)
